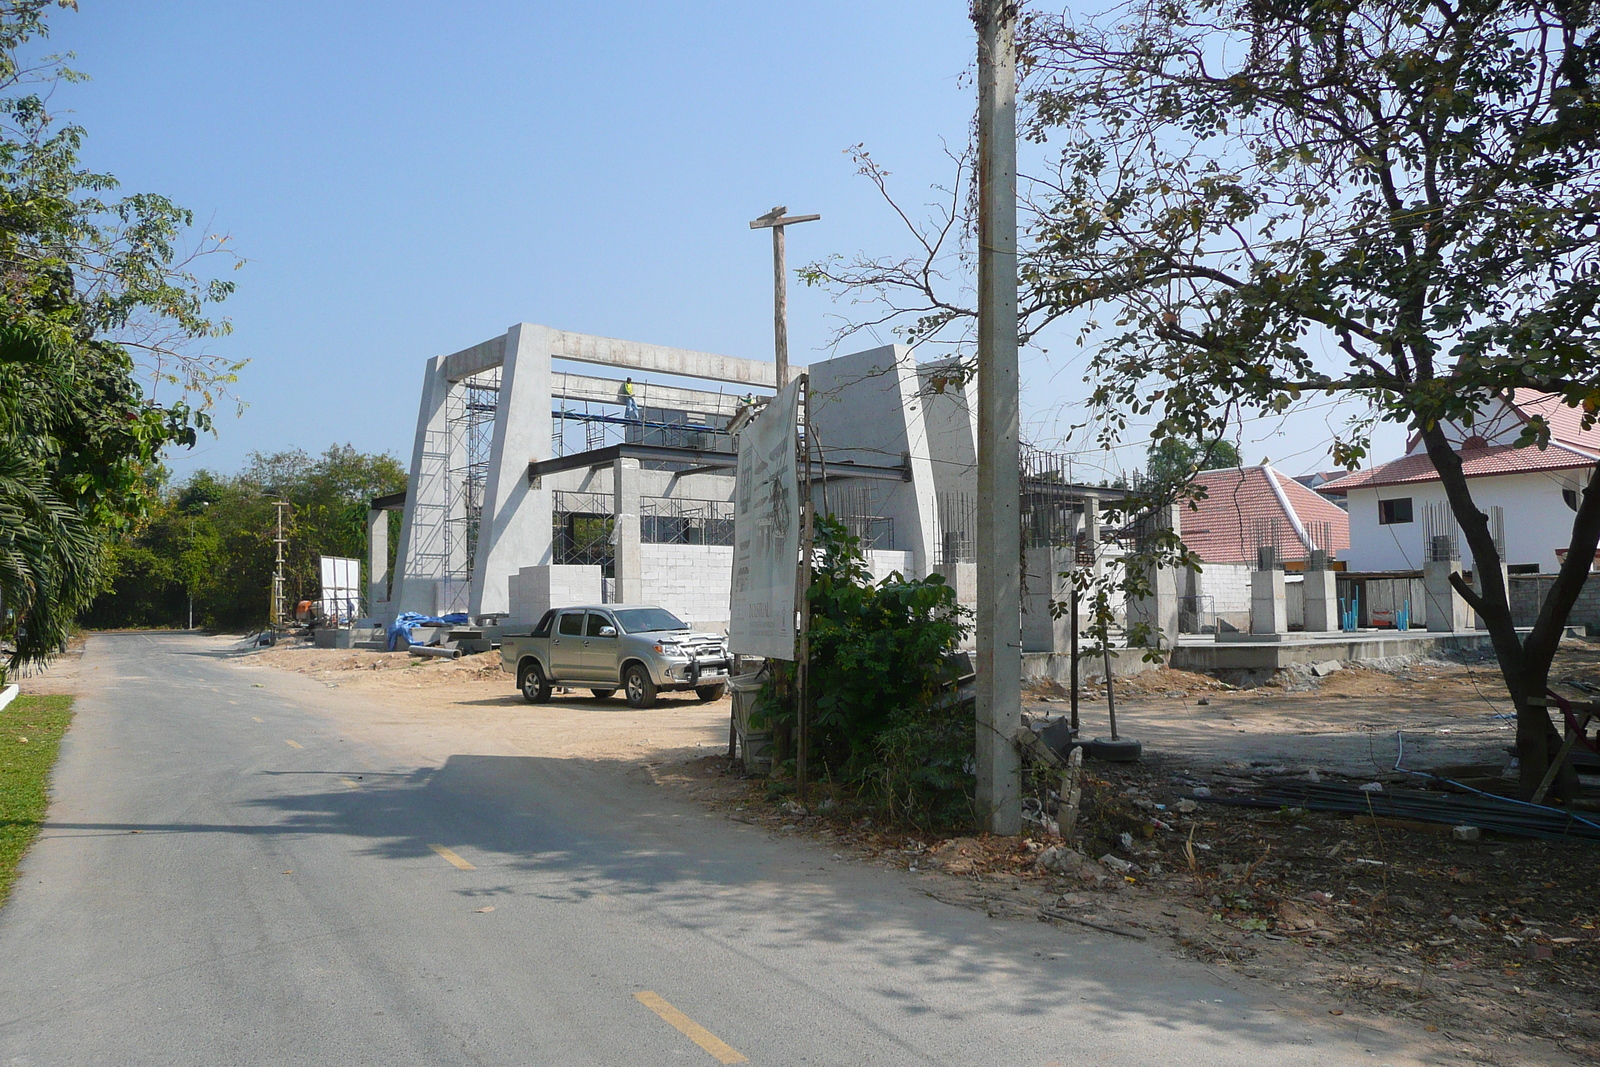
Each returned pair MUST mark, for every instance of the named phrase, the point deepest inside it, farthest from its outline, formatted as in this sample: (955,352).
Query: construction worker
(630,406)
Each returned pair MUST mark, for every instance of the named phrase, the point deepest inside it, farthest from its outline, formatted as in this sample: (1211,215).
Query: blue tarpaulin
(407,621)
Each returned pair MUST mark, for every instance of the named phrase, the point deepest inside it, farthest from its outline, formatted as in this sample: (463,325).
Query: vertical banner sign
(766,532)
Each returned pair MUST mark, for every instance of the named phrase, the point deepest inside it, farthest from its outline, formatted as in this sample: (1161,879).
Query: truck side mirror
(608,631)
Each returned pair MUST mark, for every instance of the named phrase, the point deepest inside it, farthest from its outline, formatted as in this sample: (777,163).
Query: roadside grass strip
(30,739)
(718,1049)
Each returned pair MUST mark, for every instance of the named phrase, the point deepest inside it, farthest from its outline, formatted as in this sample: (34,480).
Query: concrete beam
(475,360)
(682,362)
(606,391)
(631,355)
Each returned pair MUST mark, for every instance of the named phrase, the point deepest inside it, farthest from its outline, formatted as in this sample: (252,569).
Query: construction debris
(1485,812)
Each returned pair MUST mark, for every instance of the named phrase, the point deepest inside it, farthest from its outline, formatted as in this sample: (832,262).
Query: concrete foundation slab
(1207,655)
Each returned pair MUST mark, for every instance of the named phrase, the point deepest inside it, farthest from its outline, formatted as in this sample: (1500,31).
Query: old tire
(602,694)
(1121,750)
(636,683)
(534,685)
(709,693)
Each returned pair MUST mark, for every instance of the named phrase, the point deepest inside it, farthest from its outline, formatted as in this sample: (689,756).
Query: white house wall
(1537,521)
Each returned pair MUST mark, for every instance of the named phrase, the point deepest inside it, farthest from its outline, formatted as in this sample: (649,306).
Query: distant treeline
(210,538)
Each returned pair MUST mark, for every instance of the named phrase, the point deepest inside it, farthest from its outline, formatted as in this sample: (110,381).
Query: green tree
(95,295)
(210,538)
(1390,201)
(1252,202)
(1172,460)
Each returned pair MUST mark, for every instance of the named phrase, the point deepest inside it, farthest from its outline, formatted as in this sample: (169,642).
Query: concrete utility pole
(275,611)
(999,696)
(776,220)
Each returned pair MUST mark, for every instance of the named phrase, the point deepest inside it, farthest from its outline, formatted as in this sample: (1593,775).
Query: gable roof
(1485,447)
(1475,463)
(1223,527)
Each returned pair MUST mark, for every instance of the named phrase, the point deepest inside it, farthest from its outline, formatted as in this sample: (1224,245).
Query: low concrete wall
(1057,666)
(1529,590)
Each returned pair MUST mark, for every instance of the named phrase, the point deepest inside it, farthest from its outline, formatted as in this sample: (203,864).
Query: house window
(1570,498)
(1392,512)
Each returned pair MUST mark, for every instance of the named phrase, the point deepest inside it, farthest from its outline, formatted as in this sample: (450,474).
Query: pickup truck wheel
(709,693)
(534,685)
(602,694)
(640,689)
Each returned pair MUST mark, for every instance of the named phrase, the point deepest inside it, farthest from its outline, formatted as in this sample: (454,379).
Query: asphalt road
(226,878)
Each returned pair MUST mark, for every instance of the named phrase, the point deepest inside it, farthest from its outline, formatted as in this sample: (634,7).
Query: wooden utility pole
(776,220)
(999,695)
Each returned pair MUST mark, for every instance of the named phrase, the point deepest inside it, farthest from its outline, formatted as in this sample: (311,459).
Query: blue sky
(407,179)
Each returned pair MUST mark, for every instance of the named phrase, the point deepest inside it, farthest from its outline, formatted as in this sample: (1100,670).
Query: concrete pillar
(377,562)
(1269,609)
(1159,610)
(1322,601)
(514,528)
(1091,535)
(625,532)
(1041,630)
(1447,612)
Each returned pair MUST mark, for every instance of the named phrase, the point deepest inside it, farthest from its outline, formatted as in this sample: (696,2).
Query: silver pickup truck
(603,648)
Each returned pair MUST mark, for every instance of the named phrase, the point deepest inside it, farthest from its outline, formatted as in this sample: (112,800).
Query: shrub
(884,718)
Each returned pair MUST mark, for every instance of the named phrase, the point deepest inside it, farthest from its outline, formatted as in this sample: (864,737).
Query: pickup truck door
(600,653)
(566,647)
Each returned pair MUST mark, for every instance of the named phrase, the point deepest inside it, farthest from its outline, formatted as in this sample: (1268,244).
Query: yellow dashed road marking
(719,1050)
(257,718)
(453,858)
(350,783)
(292,744)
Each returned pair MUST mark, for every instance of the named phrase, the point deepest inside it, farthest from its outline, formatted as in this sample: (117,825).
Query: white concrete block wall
(1228,586)
(535,590)
(883,562)
(691,581)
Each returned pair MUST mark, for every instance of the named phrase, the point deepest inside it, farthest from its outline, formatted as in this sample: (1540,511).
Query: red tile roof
(1223,527)
(1476,463)
(1566,423)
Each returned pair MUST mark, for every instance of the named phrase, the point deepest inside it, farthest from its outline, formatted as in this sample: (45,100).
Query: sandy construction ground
(472,702)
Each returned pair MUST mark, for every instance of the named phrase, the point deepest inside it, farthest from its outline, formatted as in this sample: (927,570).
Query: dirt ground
(1489,951)
(473,698)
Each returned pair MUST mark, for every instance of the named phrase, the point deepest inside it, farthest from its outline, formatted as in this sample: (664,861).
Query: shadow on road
(565,831)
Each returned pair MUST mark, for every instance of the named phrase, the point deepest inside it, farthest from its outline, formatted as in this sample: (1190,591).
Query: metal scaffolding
(681,521)
(470,407)
(582,530)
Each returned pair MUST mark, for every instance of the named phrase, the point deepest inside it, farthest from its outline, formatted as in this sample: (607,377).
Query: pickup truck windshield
(648,620)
